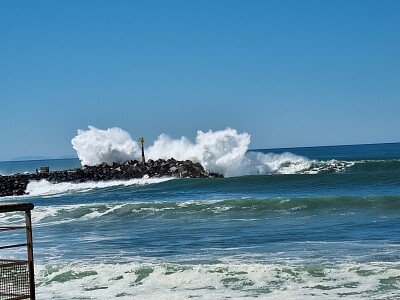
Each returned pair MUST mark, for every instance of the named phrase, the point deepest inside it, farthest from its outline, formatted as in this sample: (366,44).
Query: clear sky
(290,73)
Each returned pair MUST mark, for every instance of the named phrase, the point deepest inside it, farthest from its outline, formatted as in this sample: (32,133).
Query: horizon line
(275,148)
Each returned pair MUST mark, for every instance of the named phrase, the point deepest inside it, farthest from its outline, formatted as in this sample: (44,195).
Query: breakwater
(15,185)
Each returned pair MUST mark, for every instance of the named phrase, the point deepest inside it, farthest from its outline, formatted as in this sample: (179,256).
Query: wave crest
(45,188)
(224,151)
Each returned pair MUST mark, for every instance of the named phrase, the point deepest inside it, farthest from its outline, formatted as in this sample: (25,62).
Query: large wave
(222,151)
(95,145)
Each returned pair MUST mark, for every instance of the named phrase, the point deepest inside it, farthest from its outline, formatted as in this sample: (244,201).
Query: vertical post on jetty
(141,140)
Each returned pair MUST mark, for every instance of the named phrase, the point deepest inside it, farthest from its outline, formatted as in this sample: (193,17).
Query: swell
(260,186)
(235,207)
(376,166)
(351,166)
(299,185)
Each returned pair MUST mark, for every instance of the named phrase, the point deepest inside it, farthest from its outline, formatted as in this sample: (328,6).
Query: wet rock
(15,185)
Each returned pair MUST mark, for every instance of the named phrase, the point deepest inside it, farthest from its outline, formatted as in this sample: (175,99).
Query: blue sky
(290,73)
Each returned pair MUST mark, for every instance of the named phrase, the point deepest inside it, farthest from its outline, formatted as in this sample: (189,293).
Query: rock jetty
(15,185)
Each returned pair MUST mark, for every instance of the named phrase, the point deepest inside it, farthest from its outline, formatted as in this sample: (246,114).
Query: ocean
(318,222)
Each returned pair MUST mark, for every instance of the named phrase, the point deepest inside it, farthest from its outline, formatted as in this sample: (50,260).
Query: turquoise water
(325,227)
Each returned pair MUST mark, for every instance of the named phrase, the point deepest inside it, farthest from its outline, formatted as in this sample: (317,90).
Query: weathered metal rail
(17,278)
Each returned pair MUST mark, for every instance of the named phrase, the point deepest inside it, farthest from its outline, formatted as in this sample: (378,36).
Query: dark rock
(15,185)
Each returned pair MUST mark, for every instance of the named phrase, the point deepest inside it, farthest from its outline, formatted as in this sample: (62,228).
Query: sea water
(319,223)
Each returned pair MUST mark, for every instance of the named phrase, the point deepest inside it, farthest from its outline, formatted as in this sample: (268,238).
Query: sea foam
(45,188)
(146,280)
(223,151)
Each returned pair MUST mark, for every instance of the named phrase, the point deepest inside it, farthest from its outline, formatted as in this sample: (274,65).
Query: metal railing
(17,279)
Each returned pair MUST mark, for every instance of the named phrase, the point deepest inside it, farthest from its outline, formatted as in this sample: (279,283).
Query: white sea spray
(43,187)
(222,151)
(94,146)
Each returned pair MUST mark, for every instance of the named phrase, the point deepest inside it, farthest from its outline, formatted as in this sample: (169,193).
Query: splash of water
(95,146)
(222,151)
(45,188)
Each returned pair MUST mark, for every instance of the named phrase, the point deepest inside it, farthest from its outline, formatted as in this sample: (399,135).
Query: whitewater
(295,223)
(224,152)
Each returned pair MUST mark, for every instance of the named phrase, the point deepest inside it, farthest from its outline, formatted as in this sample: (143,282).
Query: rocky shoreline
(15,185)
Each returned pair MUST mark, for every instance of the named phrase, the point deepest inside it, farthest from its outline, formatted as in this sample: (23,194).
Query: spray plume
(224,151)
(94,146)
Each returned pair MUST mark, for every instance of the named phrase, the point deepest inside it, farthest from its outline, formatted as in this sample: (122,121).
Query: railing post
(29,242)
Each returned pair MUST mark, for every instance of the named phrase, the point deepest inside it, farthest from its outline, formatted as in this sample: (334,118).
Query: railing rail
(17,279)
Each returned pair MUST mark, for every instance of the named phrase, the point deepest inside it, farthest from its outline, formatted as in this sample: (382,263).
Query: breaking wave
(45,188)
(198,209)
(224,151)
(223,280)
(112,145)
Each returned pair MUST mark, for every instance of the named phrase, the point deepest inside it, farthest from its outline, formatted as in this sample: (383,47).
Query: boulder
(15,185)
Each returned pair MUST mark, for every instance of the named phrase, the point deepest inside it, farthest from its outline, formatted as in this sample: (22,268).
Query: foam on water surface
(43,187)
(141,280)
